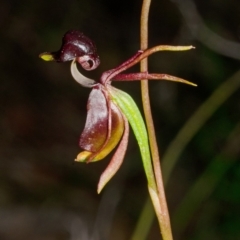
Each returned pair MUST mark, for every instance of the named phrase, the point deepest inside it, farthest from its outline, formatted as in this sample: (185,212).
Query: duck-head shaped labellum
(109,109)
(75,46)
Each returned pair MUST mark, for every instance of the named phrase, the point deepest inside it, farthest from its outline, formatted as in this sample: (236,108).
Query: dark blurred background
(44,194)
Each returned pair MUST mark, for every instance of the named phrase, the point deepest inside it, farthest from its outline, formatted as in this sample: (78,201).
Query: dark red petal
(96,128)
(115,132)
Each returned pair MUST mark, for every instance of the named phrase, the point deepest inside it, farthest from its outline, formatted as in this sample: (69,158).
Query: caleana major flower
(109,110)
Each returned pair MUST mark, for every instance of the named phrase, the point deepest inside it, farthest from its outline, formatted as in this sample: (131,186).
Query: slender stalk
(162,215)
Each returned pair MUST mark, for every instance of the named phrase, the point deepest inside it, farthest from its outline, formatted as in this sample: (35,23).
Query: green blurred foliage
(43,193)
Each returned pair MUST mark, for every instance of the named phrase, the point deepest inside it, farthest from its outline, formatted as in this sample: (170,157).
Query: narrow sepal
(150,76)
(140,55)
(116,160)
(131,111)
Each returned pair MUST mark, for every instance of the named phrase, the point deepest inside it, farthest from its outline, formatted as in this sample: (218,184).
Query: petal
(132,113)
(116,160)
(140,55)
(117,128)
(96,128)
(150,76)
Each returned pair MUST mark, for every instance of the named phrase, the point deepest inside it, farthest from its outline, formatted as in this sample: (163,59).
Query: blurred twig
(144,222)
(205,35)
(208,181)
(198,119)
(106,210)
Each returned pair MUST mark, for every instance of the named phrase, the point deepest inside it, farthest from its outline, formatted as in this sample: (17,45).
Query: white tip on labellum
(84,81)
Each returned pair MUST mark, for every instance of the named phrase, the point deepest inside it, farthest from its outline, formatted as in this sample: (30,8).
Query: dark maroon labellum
(75,45)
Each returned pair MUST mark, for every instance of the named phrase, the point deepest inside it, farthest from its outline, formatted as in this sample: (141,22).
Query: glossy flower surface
(75,46)
(104,126)
(109,109)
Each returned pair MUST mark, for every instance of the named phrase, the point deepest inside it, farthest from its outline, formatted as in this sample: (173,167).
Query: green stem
(162,211)
(190,129)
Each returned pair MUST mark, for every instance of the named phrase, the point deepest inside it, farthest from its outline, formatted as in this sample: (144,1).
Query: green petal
(131,111)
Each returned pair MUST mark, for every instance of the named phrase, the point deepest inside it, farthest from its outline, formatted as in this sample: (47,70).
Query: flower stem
(162,211)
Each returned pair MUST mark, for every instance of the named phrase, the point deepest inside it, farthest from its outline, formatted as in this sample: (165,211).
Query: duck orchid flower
(109,110)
